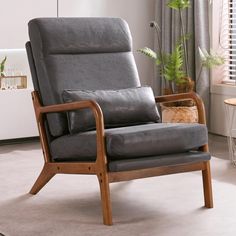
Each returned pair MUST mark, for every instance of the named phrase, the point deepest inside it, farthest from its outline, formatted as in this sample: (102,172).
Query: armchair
(94,118)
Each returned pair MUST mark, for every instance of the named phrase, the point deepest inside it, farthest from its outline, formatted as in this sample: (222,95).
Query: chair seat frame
(100,166)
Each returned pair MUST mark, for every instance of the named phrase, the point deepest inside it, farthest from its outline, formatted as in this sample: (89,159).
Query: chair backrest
(79,53)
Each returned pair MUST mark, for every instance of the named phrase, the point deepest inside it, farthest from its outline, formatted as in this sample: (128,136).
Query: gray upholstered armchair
(93,115)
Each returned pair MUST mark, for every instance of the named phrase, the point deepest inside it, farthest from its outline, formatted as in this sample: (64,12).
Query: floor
(218,146)
(70,204)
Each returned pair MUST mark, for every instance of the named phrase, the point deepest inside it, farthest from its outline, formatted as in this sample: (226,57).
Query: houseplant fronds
(209,60)
(153,55)
(154,24)
(148,52)
(173,66)
(179,4)
(183,38)
(2,66)
(160,60)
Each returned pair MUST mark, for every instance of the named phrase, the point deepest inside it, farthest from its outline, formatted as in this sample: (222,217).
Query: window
(227,39)
(232,38)
(220,39)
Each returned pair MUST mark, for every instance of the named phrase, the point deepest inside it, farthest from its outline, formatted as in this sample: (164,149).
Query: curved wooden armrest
(186,96)
(40,110)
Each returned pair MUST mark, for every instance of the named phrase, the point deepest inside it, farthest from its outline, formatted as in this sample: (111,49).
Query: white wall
(14,18)
(138,14)
(17,115)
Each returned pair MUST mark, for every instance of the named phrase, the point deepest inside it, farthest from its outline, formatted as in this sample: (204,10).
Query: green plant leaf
(211,59)
(173,66)
(148,52)
(2,65)
(178,4)
(183,38)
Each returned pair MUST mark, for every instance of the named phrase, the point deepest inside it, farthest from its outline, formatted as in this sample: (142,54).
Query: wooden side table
(230,108)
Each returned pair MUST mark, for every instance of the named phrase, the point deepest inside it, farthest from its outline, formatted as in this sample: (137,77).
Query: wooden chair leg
(45,175)
(207,186)
(105,197)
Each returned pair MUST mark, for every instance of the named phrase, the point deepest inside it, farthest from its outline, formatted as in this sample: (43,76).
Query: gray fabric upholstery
(80,53)
(32,66)
(81,35)
(122,107)
(158,161)
(95,54)
(131,142)
(155,139)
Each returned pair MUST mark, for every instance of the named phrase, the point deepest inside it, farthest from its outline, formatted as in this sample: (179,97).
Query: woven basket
(179,114)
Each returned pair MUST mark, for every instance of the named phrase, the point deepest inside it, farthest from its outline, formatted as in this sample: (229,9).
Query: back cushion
(83,54)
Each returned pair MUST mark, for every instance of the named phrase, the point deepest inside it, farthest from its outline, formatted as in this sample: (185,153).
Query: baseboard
(18,140)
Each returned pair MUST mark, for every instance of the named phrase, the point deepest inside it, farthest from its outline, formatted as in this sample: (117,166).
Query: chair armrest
(94,106)
(186,96)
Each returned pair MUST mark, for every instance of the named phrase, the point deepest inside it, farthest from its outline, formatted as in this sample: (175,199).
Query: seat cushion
(121,107)
(131,142)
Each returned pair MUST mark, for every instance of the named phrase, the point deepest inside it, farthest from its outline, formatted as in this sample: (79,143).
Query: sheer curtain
(196,18)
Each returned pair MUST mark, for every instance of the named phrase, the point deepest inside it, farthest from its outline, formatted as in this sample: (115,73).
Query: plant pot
(186,86)
(181,114)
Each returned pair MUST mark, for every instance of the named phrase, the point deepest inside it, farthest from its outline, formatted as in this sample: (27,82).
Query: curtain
(196,21)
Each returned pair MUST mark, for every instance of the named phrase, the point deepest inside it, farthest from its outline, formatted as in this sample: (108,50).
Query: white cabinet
(17,119)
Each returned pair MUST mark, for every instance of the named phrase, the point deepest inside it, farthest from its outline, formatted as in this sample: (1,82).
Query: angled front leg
(44,177)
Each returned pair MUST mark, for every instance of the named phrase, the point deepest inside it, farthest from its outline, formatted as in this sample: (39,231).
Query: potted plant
(174,66)
(2,68)
(175,69)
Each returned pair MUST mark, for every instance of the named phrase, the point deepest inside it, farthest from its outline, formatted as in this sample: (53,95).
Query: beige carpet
(70,204)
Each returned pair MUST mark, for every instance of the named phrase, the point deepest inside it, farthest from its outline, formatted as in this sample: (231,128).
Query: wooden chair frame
(99,167)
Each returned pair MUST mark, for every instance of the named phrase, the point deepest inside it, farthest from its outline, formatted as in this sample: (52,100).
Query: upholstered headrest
(88,35)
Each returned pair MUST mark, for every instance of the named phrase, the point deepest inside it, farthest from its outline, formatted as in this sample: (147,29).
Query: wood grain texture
(230,101)
(207,185)
(99,168)
(105,198)
(44,177)
(157,171)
